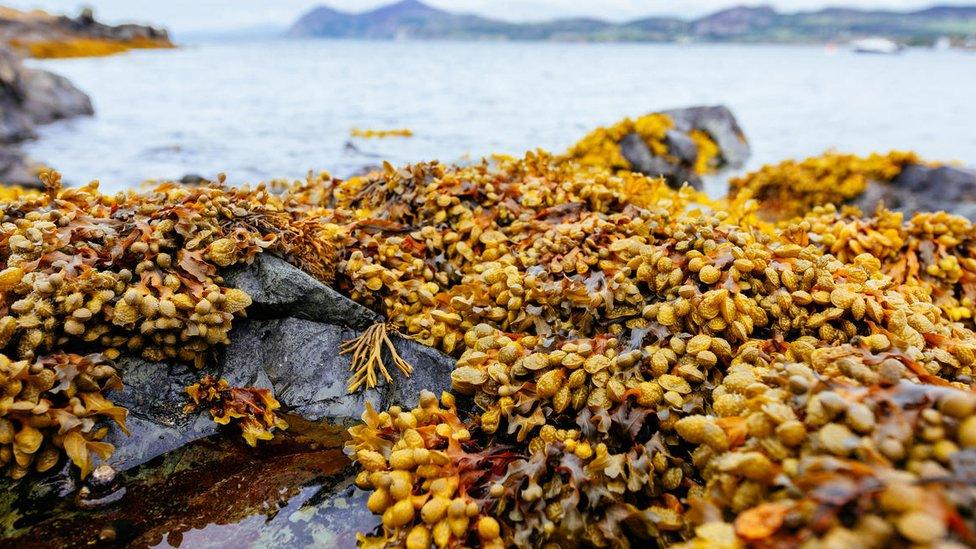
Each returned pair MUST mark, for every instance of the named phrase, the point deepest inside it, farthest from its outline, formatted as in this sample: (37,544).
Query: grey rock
(289,344)
(635,150)
(15,124)
(16,168)
(678,167)
(154,393)
(52,97)
(681,145)
(924,188)
(719,122)
(280,290)
(29,97)
(299,359)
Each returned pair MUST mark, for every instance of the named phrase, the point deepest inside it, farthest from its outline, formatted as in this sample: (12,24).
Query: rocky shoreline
(30,97)
(40,34)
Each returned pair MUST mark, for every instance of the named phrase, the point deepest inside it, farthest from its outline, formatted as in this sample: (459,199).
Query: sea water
(280,108)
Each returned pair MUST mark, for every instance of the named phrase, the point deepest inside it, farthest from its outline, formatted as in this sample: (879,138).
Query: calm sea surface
(280,108)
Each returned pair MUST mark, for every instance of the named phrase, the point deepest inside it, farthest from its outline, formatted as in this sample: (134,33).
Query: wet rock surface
(925,188)
(295,491)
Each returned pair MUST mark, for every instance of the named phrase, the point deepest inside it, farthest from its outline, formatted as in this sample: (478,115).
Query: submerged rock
(289,344)
(925,188)
(294,491)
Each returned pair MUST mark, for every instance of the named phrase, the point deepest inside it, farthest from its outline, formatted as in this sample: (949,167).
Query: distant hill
(414,19)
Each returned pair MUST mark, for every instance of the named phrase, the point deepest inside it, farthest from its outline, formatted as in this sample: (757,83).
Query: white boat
(876,45)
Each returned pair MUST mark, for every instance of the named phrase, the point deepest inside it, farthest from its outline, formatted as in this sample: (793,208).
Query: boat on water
(876,45)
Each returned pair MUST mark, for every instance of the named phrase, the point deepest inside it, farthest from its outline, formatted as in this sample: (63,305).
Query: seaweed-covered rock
(25,29)
(636,151)
(925,188)
(680,145)
(290,344)
(721,125)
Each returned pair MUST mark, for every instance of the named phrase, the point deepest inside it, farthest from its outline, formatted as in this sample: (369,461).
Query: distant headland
(412,19)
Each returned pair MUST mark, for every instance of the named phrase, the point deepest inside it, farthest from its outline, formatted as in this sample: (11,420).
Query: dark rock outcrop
(924,188)
(16,168)
(717,121)
(29,97)
(49,97)
(290,344)
(15,123)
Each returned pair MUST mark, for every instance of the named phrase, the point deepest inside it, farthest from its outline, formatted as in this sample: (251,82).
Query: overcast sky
(204,15)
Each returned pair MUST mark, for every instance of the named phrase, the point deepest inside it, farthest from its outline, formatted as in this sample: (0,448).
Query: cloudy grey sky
(205,15)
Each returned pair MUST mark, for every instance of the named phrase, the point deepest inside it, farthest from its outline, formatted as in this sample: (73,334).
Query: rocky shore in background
(23,29)
(678,167)
(31,97)
(28,98)
(925,189)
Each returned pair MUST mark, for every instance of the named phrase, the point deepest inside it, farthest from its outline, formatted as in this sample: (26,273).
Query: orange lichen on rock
(250,408)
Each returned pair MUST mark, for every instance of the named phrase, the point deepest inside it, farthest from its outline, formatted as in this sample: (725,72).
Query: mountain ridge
(413,19)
